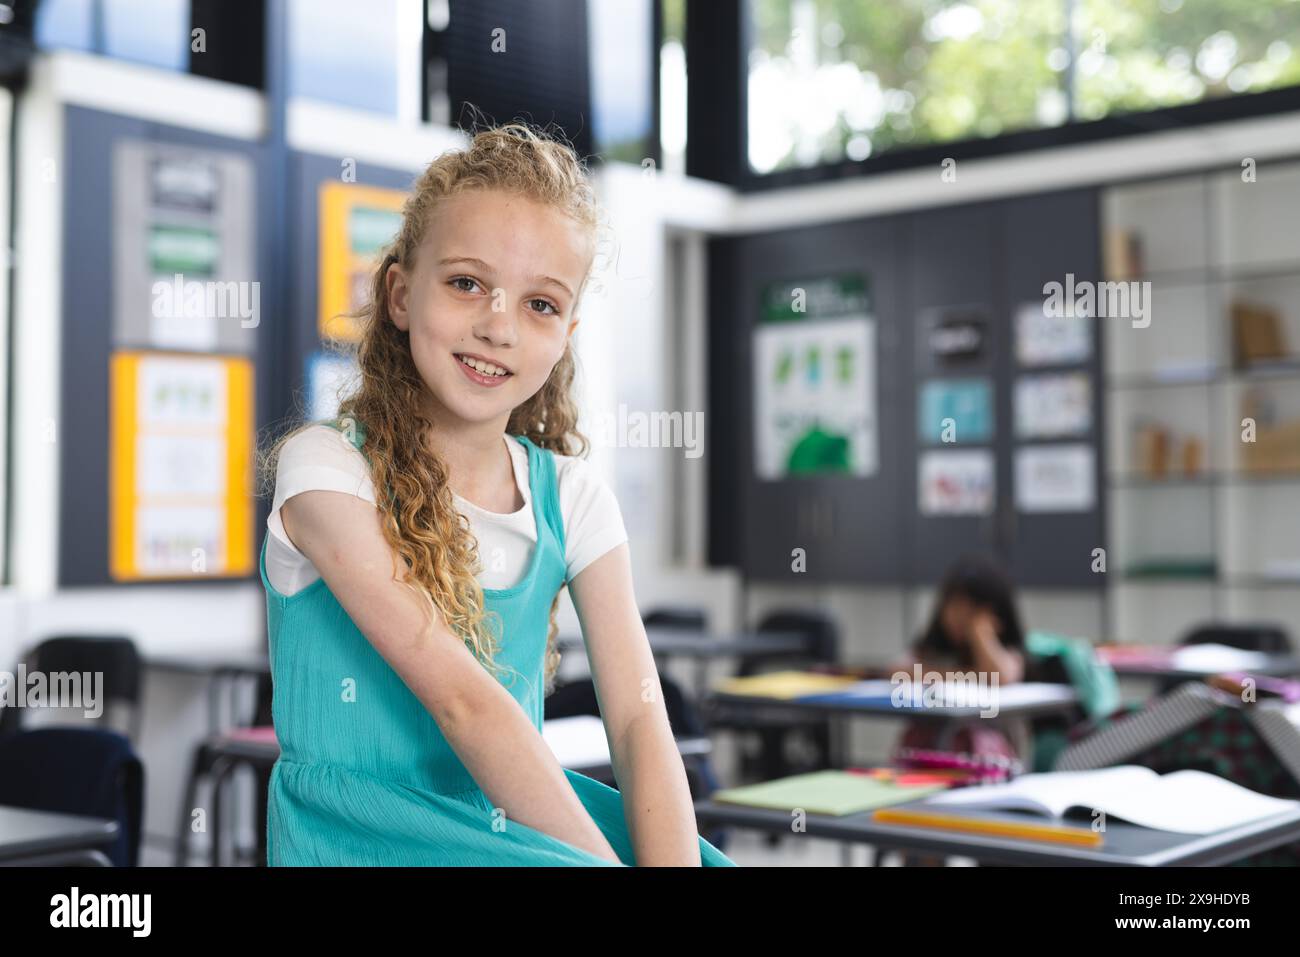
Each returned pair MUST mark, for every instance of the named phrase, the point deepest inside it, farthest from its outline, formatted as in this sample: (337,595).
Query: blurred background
(912,173)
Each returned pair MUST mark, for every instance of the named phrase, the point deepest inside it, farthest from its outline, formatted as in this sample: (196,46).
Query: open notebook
(1187,802)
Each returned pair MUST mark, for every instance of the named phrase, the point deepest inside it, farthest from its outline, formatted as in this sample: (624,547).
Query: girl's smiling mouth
(480,370)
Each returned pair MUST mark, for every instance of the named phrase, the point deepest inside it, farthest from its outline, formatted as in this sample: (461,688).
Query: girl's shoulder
(319,456)
(574,473)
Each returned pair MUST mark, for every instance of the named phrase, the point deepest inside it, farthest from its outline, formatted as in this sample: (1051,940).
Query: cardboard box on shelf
(1123,254)
(1276,449)
(1150,450)
(1257,333)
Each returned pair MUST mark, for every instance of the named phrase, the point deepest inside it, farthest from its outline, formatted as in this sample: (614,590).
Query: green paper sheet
(824,792)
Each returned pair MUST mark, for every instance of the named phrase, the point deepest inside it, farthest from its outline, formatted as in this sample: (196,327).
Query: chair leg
(187,808)
(219,773)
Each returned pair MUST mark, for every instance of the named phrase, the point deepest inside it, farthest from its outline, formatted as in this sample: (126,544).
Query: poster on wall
(183,249)
(1053,406)
(1055,479)
(955,411)
(815,380)
(355,223)
(1043,339)
(956,482)
(329,376)
(180,466)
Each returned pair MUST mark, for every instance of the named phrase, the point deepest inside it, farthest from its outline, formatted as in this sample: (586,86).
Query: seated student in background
(975,627)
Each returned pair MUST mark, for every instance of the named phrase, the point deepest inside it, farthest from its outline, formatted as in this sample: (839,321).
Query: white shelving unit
(1208,540)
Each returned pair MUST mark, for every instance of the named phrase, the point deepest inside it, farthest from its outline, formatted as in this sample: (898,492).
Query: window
(152,32)
(842,80)
(621,49)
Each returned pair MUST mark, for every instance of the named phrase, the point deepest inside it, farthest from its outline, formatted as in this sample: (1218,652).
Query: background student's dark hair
(983,583)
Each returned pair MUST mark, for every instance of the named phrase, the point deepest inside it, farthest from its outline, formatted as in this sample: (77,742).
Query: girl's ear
(398,290)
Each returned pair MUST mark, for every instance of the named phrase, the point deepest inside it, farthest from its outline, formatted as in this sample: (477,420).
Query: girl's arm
(483,723)
(647,765)
(990,655)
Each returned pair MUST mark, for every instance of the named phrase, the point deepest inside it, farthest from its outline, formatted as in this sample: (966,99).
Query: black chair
(775,731)
(1263,637)
(112,655)
(217,758)
(1268,638)
(84,771)
(576,698)
(687,619)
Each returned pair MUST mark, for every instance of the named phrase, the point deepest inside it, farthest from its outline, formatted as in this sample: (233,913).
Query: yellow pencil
(954,822)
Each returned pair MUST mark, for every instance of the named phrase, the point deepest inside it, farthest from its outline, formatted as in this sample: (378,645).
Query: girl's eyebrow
(480,264)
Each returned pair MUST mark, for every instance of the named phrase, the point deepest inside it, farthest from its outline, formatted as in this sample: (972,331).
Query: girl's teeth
(486,368)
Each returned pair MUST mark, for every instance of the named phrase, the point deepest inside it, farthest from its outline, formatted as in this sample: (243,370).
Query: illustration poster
(328,376)
(1053,406)
(959,482)
(815,380)
(1043,339)
(180,466)
(955,411)
(183,249)
(356,223)
(1055,478)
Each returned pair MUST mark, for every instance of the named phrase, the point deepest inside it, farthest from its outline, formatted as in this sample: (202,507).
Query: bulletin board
(184,261)
(815,379)
(204,212)
(356,223)
(180,466)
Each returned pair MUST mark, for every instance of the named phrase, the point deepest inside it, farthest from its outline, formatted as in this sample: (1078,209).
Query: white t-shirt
(320,457)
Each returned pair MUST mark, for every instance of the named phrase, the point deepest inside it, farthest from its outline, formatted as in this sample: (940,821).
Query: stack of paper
(825,792)
(577,742)
(783,684)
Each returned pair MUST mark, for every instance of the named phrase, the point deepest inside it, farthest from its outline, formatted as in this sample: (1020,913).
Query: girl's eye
(460,279)
(548,305)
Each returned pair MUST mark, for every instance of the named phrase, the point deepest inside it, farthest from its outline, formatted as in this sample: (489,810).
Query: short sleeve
(318,457)
(593,521)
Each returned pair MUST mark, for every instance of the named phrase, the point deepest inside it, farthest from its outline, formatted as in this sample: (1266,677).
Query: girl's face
(495,281)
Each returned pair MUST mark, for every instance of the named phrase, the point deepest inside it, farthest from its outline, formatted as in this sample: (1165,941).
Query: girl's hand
(984,629)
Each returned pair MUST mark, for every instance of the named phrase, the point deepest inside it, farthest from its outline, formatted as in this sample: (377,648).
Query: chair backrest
(86,771)
(113,656)
(1258,636)
(579,698)
(821,640)
(689,619)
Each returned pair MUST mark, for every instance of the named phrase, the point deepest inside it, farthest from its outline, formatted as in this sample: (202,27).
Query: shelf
(1185,380)
(1208,478)
(1287,370)
(1205,275)
(1177,481)
(1258,581)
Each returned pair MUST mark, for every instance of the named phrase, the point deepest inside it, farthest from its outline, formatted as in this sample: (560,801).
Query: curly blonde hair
(420,520)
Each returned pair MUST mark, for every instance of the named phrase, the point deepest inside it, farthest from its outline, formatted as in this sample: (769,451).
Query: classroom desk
(1277,666)
(1062,700)
(1126,845)
(40,838)
(705,647)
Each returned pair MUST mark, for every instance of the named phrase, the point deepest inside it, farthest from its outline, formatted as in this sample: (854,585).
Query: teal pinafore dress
(365,776)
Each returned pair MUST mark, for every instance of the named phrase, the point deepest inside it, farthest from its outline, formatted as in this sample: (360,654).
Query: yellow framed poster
(180,466)
(356,223)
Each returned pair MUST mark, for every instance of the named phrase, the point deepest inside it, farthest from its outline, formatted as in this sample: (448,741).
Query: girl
(408,693)
(975,628)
